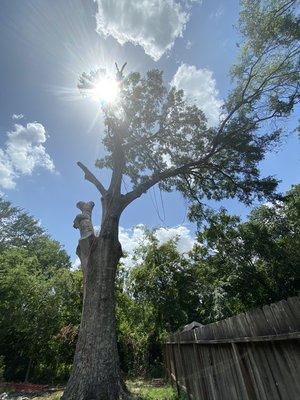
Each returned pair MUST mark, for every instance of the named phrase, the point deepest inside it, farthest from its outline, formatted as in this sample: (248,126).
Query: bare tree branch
(168,173)
(89,176)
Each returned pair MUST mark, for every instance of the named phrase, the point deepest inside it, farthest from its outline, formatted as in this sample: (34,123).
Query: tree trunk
(96,373)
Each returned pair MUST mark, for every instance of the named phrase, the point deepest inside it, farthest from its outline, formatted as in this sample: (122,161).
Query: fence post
(175,368)
(185,377)
(239,370)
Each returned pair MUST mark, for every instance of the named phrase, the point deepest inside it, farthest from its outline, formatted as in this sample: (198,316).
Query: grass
(53,396)
(147,390)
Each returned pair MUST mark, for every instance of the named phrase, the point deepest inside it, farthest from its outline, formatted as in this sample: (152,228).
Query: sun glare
(106,90)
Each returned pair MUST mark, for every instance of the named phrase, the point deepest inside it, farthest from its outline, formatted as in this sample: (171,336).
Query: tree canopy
(40,299)
(17,228)
(248,264)
(155,136)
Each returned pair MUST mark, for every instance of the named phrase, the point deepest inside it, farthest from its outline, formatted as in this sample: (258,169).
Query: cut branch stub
(120,71)
(83,221)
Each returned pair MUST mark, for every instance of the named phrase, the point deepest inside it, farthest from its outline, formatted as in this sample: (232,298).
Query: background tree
(165,280)
(40,299)
(160,295)
(244,265)
(17,228)
(153,136)
(35,309)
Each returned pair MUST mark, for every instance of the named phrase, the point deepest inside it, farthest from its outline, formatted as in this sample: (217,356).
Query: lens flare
(105,90)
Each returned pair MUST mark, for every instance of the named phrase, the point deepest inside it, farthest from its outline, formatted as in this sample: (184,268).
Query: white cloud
(132,238)
(200,87)
(7,174)
(185,241)
(22,152)
(152,24)
(76,264)
(17,116)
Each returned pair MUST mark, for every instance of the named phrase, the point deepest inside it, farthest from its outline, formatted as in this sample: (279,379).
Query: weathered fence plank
(252,356)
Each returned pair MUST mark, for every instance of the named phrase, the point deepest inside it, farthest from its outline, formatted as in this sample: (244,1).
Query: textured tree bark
(96,373)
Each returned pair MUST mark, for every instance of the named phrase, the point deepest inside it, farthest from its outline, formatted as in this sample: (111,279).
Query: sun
(106,90)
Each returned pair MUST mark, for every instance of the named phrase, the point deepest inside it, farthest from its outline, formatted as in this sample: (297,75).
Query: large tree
(154,136)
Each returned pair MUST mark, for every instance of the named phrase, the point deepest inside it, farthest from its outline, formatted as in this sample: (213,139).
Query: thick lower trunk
(96,373)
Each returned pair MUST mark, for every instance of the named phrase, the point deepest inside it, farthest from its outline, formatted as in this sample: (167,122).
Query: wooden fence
(254,355)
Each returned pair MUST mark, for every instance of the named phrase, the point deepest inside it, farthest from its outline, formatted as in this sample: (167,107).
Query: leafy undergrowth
(147,390)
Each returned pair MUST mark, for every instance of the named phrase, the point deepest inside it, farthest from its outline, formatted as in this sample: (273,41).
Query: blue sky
(45,45)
